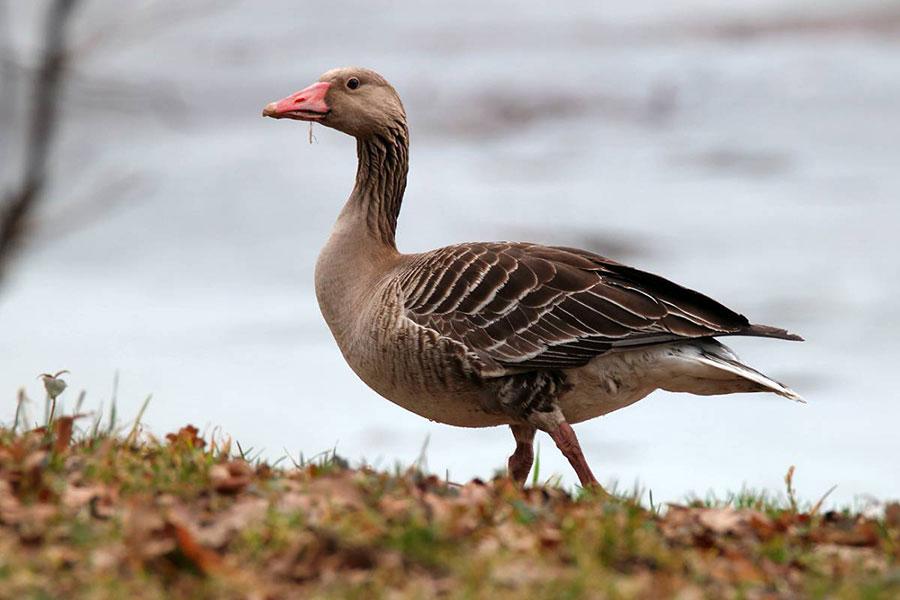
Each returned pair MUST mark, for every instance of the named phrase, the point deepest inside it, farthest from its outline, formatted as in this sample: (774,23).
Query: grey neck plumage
(381,179)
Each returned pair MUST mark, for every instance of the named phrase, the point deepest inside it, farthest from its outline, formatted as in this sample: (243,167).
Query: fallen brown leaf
(231,477)
(145,532)
(722,520)
(847,532)
(63,431)
(239,516)
(892,515)
(206,560)
(187,434)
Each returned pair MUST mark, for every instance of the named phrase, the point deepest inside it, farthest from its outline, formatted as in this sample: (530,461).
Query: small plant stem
(52,410)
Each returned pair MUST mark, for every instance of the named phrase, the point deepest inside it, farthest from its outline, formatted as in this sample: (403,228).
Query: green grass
(99,510)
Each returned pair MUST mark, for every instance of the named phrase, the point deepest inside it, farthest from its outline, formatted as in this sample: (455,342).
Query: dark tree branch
(42,126)
(7,87)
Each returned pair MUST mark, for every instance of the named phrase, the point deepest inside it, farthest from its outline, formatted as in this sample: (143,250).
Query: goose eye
(353,83)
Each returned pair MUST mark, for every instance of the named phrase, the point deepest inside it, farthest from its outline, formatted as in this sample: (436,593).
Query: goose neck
(381,181)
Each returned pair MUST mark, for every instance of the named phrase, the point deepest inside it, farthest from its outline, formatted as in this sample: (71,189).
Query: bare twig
(7,90)
(42,127)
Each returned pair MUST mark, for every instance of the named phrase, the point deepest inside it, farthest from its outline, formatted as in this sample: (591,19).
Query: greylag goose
(499,333)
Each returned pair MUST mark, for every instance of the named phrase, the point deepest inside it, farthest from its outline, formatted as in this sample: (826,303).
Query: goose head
(354,100)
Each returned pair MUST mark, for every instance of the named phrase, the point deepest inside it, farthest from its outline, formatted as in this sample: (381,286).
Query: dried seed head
(53,384)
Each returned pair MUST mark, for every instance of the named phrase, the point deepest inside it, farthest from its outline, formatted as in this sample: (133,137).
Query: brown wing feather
(530,306)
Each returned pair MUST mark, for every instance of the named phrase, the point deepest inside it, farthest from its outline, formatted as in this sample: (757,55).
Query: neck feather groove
(381,179)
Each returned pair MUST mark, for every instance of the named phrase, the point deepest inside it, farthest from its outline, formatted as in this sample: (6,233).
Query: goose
(486,334)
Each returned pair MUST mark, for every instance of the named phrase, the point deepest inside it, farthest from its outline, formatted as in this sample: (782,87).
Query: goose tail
(708,367)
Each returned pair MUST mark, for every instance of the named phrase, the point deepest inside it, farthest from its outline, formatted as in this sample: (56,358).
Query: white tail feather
(727,375)
(742,370)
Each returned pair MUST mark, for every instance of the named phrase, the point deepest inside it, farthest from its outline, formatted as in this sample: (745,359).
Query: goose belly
(423,380)
(609,383)
(460,406)
(445,399)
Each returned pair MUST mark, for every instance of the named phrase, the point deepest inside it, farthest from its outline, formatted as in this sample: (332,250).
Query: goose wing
(520,305)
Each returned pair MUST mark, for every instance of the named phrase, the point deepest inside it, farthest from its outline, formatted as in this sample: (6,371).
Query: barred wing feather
(529,306)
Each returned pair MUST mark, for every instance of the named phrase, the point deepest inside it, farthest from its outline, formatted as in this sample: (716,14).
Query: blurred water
(748,151)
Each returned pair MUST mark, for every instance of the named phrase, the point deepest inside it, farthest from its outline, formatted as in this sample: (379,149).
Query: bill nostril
(299,100)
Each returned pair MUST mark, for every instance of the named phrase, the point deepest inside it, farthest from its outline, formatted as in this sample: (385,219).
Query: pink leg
(565,439)
(520,462)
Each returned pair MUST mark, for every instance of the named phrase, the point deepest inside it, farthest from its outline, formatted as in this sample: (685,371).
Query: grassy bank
(90,511)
